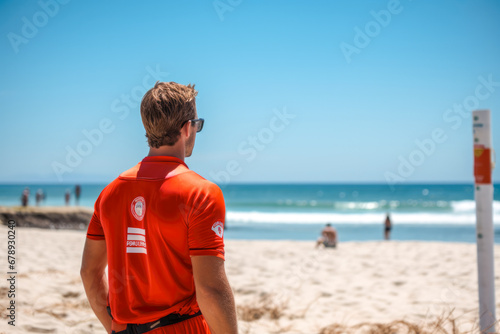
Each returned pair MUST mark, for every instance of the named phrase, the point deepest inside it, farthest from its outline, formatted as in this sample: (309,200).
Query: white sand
(358,282)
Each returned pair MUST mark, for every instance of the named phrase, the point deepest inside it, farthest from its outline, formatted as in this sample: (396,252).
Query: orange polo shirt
(154,217)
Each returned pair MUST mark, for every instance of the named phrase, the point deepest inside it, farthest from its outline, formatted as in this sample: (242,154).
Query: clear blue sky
(357,113)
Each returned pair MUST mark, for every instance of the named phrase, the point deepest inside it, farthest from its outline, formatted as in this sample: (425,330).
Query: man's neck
(169,151)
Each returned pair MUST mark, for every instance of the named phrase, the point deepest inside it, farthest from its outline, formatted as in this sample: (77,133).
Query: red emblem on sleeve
(218,228)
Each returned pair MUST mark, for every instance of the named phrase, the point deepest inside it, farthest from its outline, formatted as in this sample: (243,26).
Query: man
(328,237)
(25,196)
(78,192)
(387,227)
(39,196)
(159,229)
(67,197)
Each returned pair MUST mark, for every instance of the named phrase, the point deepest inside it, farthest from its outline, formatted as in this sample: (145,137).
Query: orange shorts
(196,325)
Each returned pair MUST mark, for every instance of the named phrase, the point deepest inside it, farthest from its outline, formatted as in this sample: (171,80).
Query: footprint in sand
(35,329)
(245,291)
(71,294)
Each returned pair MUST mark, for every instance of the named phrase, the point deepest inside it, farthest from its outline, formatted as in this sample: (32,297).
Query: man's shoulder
(110,186)
(195,188)
(129,173)
(197,182)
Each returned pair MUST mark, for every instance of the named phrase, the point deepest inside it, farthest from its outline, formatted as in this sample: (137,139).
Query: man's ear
(185,129)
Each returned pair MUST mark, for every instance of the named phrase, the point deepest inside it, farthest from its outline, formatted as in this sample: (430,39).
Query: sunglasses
(196,122)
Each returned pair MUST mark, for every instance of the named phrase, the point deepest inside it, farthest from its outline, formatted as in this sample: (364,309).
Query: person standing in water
(387,227)
(39,196)
(25,196)
(78,192)
(67,197)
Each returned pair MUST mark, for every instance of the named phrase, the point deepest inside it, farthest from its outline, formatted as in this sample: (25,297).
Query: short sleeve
(206,223)
(95,231)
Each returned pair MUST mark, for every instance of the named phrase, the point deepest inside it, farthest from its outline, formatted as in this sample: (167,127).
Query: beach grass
(267,308)
(445,324)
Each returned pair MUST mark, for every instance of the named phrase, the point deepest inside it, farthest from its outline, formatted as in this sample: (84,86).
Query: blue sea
(427,212)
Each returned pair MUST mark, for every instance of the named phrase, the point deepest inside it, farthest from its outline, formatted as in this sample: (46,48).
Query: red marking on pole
(482,164)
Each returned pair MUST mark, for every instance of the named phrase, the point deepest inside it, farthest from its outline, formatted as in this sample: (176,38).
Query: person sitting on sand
(328,237)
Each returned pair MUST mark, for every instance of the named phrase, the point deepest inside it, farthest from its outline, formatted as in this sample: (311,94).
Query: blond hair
(165,108)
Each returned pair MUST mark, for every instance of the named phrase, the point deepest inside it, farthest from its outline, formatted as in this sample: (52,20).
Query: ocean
(425,212)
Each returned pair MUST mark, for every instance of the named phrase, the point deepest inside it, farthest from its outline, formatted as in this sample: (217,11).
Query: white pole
(484,219)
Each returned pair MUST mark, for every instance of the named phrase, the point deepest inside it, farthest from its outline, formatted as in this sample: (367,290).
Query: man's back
(330,233)
(154,217)
(159,229)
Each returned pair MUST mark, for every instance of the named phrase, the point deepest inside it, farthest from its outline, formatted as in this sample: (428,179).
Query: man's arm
(94,279)
(214,294)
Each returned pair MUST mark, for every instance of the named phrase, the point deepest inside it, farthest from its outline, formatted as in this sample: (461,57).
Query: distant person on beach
(387,227)
(78,192)
(39,196)
(159,228)
(67,197)
(328,237)
(25,197)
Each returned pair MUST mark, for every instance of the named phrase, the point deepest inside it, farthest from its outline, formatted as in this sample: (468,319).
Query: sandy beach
(279,286)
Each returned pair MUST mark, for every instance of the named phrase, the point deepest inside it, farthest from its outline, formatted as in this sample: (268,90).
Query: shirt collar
(164,158)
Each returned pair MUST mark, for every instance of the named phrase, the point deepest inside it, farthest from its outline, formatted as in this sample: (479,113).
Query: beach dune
(65,217)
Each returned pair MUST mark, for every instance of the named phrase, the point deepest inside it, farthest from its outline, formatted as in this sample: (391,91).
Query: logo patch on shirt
(218,228)
(136,240)
(138,208)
